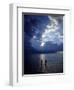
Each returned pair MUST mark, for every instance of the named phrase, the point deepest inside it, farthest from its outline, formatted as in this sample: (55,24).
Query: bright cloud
(42,44)
(51,33)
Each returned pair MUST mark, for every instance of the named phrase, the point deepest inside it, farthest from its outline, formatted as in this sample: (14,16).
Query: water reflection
(43,63)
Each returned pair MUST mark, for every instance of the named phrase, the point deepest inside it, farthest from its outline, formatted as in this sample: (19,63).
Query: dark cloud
(35,26)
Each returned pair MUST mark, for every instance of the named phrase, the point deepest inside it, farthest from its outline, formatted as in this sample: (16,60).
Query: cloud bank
(51,33)
(45,33)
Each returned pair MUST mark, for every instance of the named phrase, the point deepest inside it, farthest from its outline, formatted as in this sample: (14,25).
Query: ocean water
(43,63)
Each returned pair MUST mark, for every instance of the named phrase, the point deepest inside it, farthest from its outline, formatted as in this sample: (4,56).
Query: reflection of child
(43,66)
(46,67)
(45,63)
(41,63)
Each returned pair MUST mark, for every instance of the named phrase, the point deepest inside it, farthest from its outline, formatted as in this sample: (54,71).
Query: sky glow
(44,32)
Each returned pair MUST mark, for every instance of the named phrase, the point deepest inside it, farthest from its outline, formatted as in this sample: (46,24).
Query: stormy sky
(43,33)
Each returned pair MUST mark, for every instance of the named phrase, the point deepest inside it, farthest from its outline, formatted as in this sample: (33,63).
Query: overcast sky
(43,32)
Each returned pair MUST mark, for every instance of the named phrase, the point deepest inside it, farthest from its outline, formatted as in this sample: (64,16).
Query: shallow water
(43,63)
